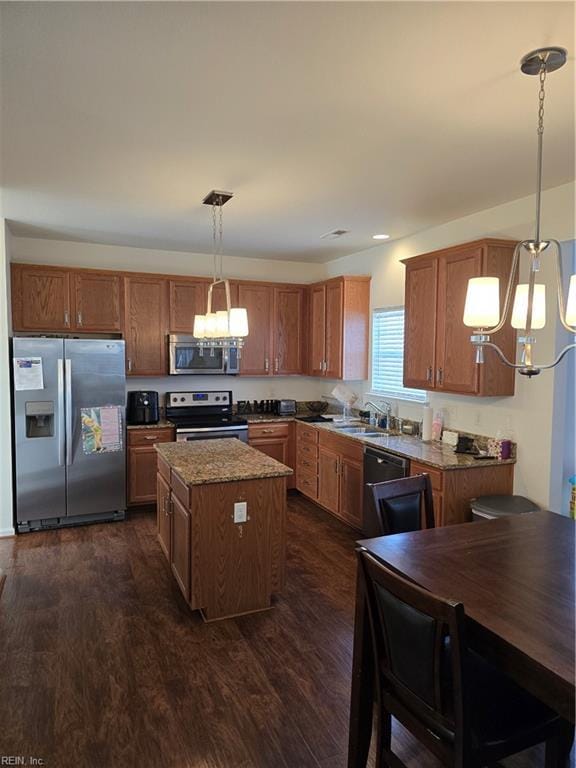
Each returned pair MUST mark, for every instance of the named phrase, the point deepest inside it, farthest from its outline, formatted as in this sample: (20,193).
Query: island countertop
(227,460)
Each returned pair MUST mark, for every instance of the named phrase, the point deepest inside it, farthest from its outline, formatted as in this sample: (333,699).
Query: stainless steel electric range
(204,415)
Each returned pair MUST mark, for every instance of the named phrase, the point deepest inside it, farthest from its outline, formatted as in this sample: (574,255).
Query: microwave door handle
(61,414)
(68,380)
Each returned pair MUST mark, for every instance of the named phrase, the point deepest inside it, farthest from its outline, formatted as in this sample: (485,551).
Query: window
(388,355)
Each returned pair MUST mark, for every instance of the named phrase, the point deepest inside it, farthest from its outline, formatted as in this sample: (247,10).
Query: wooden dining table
(515,577)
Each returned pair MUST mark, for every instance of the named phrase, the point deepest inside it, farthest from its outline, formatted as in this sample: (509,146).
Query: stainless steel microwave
(189,358)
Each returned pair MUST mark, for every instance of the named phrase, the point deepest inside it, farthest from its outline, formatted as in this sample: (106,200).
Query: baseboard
(5,532)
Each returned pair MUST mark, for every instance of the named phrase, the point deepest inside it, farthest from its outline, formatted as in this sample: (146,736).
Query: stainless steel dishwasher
(379,466)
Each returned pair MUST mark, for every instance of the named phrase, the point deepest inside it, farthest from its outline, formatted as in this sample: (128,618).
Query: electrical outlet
(240,511)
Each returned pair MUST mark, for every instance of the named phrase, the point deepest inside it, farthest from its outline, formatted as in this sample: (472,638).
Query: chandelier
(228,327)
(482,307)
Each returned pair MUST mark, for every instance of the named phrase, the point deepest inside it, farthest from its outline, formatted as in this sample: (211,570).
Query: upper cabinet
(97,301)
(187,298)
(54,299)
(146,324)
(438,354)
(256,359)
(319,330)
(287,330)
(275,343)
(339,328)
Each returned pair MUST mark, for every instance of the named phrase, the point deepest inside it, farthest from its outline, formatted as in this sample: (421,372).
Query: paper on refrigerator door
(101,429)
(28,373)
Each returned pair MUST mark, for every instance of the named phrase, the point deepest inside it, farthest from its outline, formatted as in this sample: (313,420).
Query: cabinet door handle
(166,513)
(150,437)
(429,374)
(170,506)
(266,365)
(276,365)
(129,365)
(268,431)
(325,366)
(440,376)
(79,318)
(66,318)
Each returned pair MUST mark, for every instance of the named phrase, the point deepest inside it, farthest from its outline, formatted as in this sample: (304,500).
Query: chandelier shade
(527,313)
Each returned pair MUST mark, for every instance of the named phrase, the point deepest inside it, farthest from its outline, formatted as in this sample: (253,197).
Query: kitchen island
(221,518)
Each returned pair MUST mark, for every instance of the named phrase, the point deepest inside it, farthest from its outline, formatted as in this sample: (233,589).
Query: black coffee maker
(142,408)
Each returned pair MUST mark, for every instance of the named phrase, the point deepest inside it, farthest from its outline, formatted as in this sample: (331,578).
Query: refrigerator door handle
(68,380)
(61,417)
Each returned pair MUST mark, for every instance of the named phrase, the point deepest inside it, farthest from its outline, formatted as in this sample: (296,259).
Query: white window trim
(420,397)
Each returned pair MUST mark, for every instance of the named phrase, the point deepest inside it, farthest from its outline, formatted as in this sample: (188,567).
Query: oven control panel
(192,399)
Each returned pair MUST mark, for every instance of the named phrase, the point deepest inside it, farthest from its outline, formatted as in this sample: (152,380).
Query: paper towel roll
(426,423)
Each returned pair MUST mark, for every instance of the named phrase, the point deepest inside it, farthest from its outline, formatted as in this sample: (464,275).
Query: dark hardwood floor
(102,664)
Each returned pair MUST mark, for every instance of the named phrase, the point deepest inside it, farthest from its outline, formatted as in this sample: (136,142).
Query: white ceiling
(393,117)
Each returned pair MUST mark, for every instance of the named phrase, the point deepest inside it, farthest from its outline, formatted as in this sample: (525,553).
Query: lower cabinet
(452,489)
(180,545)
(330,472)
(275,439)
(142,462)
(163,515)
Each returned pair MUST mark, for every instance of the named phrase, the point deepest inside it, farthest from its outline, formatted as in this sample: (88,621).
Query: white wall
(528,416)
(72,254)
(6,520)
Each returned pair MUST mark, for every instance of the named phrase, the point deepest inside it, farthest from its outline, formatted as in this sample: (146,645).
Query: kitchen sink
(359,431)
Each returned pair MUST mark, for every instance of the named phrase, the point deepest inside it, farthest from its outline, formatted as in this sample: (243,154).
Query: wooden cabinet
(351,490)
(52,299)
(320,330)
(317,326)
(187,299)
(420,324)
(330,471)
(307,460)
(256,357)
(275,439)
(163,515)
(452,489)
(328,479)
(146,325)
(339,321)
(438,354)
(287,330)
(180,547)
(40,298)
(142,487)
(97,302)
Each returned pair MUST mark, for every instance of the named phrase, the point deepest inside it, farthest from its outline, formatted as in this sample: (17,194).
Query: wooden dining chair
(403,505)
(461,708)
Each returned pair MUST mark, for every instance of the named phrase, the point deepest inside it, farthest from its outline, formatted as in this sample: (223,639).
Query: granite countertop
(219,461)
(435,454)
(162,424)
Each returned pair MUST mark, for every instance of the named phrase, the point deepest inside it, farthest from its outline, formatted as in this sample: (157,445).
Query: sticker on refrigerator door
(101,429)
(28,373)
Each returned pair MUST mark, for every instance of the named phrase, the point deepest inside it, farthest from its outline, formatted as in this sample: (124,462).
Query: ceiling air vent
(335,234)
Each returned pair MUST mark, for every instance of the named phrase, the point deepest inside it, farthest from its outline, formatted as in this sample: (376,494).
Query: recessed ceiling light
(380,237)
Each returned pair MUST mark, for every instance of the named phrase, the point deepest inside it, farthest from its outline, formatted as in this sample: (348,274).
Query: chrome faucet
(387,411)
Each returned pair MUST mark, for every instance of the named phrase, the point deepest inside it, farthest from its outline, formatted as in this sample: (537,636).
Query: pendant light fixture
(528,310)
(224,328)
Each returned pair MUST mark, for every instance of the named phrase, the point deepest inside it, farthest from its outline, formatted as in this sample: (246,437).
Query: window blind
(388,355)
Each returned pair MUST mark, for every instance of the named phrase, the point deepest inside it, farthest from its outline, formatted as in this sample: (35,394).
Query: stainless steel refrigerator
(69,431)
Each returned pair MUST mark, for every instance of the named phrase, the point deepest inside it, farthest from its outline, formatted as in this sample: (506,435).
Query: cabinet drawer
(436,475)
(307,465)
(309,451)
(148,436)
(268,430)
(308,485)
(306,434)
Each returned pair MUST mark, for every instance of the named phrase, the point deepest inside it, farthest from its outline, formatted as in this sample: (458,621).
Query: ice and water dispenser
(40,418)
